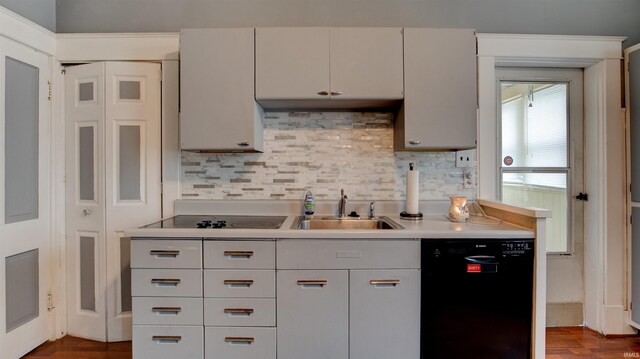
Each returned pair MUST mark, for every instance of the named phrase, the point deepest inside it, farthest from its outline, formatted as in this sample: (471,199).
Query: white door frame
(600,56)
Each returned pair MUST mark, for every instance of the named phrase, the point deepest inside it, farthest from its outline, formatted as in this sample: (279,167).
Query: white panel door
(132,178)
(113,183)
(85,212)
(24,193)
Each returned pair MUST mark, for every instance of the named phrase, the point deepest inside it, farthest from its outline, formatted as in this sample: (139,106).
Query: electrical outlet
(464,158)
(467,179)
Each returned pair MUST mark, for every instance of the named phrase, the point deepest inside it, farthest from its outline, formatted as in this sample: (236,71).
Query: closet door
(85,212)
(25,227)
(132,176)
(113,183)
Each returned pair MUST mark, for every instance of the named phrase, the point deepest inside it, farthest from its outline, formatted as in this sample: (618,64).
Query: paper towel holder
(406,215)
(411,216)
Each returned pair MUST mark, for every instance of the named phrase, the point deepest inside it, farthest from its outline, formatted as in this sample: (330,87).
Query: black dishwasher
(477,297)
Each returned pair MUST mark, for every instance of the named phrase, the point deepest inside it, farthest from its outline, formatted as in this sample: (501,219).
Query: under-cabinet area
(321,298)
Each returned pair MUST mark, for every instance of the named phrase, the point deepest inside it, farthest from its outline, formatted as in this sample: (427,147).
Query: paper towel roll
(412,191)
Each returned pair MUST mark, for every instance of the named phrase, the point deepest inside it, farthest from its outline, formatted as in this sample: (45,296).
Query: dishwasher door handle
(480,259)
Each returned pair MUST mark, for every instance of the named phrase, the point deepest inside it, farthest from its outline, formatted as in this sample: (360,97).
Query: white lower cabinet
(384,314)
(240,343)
(353,299)
(167,342)
(313,314)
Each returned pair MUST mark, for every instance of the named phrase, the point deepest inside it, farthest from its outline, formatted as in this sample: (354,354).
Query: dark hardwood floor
(565,343)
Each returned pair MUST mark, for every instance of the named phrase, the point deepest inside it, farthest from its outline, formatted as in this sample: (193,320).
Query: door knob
(86,212)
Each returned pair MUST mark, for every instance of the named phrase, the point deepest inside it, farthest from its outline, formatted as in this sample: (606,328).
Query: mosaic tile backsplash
(322,152)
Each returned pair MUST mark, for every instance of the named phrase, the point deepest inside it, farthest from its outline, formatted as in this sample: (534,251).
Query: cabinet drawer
(240,312)
(167,311)
(239,254)
(240,343)
(240,283)
(163,342)
(166,282)
(160,253)
(348,254)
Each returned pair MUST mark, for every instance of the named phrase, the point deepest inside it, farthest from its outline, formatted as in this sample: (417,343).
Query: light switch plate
(464,158)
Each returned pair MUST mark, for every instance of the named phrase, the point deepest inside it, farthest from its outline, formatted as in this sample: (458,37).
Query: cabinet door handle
(415,142)
(164,253)
(166,338)
(166,310)
(243,144)
(239,340)
(384,282)
(239,282)
(312,283)
(244,311)
(336,93)
(166,282)
(323,93)
(238,254)
(86,212)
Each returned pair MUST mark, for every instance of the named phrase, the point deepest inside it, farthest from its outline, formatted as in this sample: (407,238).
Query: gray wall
(42,12)
(567,17)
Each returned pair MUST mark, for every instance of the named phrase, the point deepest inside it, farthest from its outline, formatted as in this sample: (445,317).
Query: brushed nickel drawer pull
(239,282)
(336,93)
(164,253)
(247,340)
(385,282)
(312,283)
(166,338)
(163,310)
(168,282)
(235,254)
(243,144)
(323,93)
(245,311)
(415,142)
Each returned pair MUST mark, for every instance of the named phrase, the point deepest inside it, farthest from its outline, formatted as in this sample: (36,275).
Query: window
(534,156)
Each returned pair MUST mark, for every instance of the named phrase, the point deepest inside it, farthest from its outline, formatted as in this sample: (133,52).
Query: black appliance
(477,298)
(216,221)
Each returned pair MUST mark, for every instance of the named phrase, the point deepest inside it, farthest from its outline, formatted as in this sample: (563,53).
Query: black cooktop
(219,221)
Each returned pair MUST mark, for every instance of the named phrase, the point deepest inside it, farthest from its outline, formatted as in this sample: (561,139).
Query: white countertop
(432,226)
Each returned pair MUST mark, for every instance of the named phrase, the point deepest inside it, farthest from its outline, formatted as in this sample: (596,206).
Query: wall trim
(26,32)
(550,47)
(117,47)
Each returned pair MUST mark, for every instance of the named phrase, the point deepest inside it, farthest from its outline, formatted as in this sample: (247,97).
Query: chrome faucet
(372,210)
(342,205)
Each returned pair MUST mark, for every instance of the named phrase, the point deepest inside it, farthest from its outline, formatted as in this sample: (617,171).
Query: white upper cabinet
(218,111)
(440,102)
(366,63)
(294,64)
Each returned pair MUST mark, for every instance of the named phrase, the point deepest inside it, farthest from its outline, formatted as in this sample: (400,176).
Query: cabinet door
(366,63)
(635,268)
(292,63)
(218,110)
(313,314)
(384,314)
(440,102)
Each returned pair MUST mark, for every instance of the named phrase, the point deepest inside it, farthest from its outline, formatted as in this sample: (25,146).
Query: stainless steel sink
(348,223)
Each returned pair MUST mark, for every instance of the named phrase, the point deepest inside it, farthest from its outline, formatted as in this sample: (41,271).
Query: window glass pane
(87,273)
(21,141)
(534,125)
(542,190)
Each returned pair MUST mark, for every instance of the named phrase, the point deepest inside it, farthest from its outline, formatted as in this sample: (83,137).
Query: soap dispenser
(309,205)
